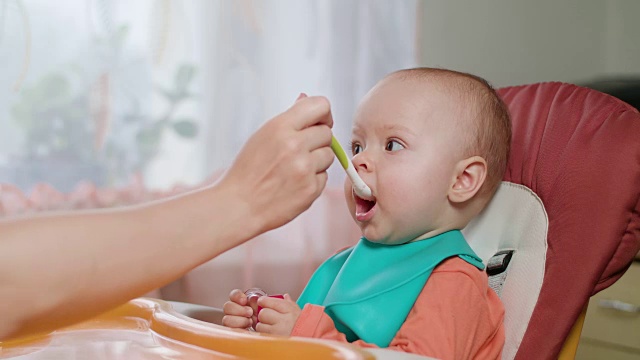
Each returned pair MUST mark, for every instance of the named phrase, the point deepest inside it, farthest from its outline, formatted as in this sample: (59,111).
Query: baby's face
(406,144)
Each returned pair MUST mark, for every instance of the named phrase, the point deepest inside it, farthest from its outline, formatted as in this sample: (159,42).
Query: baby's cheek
(348,196)
(347,189)
(398,200)
(393,189)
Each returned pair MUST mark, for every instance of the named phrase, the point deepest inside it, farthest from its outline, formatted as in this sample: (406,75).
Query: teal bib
(369,289)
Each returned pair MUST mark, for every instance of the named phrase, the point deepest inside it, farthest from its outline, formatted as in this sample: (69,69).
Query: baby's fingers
(232,308)
(237,296)
(282,306)
(236,322)
(266,328)
(269,316)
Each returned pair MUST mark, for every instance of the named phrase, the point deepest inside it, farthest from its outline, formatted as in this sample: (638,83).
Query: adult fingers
(322,158)
(322,181)
(309,111)
(315,137)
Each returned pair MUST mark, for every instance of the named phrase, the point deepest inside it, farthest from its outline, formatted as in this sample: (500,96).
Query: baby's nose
(362,163)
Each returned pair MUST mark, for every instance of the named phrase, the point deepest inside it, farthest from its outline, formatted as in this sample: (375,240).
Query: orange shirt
(456,316)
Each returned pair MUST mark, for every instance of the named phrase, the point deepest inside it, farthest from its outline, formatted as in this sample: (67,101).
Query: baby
(432,145)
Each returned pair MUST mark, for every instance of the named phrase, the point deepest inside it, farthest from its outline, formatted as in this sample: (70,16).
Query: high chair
(565,222)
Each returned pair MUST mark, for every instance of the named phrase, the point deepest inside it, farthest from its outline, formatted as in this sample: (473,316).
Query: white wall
(512,42)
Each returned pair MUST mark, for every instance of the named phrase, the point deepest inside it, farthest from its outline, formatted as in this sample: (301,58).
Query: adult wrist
(240,219)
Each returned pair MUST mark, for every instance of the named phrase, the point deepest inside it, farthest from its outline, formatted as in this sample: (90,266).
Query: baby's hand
(237,312)
(278,316)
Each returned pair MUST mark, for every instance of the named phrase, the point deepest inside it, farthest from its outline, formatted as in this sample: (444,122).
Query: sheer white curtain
(95,92)
(262,54)
(99,91)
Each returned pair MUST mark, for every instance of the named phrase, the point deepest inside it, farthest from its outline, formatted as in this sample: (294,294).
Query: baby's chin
(388,239)
(383,240)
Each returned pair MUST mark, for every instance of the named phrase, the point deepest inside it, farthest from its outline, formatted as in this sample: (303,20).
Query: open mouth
(364,208)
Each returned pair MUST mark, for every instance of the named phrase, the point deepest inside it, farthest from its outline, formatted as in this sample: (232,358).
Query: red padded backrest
(579,151)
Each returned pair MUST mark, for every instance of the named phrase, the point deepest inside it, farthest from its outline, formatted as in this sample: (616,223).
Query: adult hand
(96,260)
(281,169)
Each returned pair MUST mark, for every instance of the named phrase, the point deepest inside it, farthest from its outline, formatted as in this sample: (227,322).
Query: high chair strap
(497,269)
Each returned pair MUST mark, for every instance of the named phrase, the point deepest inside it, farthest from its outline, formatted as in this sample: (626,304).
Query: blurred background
(111,102)
(165,92)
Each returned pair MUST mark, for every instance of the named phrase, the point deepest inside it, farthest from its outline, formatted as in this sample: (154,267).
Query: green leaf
(50,92)
(149,140)
(183,77)
(188,95)
(186,128)
(169,94)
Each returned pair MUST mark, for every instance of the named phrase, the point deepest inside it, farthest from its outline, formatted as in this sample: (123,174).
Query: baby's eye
(355,148)
(393,145)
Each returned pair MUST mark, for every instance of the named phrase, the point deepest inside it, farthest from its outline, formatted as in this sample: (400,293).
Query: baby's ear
(470,174)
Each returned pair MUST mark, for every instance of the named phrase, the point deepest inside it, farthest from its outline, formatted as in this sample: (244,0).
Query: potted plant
(66,139)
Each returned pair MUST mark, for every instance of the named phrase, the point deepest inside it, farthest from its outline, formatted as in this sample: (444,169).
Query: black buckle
(499,262)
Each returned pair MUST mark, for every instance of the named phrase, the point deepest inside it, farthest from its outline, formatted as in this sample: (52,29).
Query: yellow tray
(151,329)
